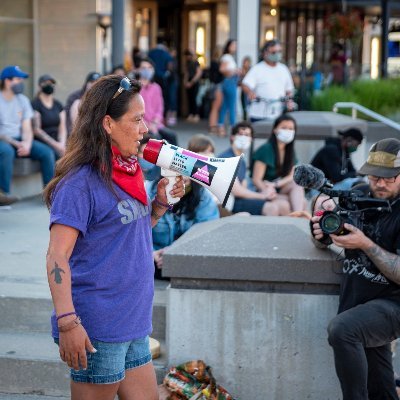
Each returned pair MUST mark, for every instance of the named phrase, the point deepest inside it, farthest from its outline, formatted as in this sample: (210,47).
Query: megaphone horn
(215,174)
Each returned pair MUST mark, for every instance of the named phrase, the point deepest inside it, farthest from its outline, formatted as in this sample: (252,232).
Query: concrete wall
(67,41)
(252,297)
(261,345)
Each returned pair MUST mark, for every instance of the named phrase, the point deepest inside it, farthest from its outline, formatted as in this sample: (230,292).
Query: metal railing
(358,107)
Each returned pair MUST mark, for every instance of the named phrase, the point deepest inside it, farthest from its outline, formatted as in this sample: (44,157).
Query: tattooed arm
(74,342)
(62,242)
(388,263)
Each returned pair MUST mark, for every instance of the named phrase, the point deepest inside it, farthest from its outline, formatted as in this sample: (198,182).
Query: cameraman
(369,305)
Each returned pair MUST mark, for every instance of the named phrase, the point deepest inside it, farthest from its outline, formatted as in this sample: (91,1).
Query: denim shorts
(111,361)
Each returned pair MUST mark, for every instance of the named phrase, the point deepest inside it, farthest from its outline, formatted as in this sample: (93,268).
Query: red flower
(344,26)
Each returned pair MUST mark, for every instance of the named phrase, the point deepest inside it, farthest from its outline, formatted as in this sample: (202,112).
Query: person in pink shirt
(153,99)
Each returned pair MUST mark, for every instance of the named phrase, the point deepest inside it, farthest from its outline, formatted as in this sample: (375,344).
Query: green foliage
(381,96)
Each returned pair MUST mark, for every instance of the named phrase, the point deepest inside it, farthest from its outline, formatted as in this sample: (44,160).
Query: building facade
(68,38)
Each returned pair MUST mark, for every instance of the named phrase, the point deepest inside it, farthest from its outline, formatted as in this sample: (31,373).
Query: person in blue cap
(16,136)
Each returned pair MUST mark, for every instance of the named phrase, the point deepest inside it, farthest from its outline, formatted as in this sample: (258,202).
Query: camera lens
(330,222)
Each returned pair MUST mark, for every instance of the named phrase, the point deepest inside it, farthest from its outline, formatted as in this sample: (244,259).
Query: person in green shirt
(274,161)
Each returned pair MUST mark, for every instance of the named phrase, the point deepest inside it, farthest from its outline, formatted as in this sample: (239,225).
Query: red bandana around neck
(127,174)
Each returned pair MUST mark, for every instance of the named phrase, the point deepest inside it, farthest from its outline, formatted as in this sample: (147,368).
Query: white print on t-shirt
(356,266)
(132,211)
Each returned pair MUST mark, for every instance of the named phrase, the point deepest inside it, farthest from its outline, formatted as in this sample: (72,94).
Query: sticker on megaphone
(216,174)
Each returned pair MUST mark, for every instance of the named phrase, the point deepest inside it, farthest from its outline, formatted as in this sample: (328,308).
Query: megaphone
(215,174)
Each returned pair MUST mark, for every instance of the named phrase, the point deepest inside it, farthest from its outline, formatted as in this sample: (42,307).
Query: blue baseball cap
(13,71)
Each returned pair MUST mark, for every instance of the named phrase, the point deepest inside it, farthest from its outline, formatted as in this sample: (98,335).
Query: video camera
(352,207)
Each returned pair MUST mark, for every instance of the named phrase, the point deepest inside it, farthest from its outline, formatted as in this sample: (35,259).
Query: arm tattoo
(57,273)
(387,262)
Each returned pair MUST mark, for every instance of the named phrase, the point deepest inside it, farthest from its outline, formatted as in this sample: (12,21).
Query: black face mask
(48,89)
(18,88)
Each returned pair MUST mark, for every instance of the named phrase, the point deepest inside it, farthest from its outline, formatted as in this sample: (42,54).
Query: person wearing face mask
(274,161)
(270,80)
(49,119)
(334,159)
(153,99)
(243,198)
(16,136)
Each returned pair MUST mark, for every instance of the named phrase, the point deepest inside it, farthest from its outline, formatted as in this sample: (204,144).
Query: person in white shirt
(270,81)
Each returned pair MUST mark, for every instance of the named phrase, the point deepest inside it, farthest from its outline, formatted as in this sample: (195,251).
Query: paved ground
(8,396)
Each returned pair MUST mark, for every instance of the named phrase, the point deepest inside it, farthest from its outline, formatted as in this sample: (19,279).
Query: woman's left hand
(178,190)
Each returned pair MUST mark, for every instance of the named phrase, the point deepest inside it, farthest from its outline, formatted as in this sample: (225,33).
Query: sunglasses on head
(125,84)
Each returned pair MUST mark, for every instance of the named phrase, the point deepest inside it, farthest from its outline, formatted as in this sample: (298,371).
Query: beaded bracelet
(165,205)
(65,315)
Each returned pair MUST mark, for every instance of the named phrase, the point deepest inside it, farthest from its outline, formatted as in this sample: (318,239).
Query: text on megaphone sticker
(182,164)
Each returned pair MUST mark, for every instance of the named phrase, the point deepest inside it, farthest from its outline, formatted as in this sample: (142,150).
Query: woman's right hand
(73,345)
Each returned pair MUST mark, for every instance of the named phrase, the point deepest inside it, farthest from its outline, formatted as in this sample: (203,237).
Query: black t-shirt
(362,280)
(50,117)
(192,68)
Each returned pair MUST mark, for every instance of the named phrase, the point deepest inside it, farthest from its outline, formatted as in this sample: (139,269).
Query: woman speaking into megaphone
(99,260)
(197,205)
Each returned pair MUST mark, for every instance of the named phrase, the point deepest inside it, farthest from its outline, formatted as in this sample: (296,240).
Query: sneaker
(7,199)
(195,118)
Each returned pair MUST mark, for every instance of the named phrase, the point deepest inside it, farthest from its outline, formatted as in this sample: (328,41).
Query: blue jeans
(39,151)
(229,89)
(109,363)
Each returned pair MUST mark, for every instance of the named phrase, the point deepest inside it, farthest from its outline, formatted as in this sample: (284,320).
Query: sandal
(221,131)
(213,130)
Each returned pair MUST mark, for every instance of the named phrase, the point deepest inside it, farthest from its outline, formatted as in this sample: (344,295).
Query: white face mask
(242,142)
(285,135)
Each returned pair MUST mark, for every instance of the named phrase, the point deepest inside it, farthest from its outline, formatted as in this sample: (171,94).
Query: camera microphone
(309,177)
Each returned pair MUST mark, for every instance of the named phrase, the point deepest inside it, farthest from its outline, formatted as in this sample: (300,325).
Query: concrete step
(18,396)
(30,364)
(23,314)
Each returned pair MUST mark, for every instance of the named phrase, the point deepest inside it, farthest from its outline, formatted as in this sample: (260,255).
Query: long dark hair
(188,203)
(283,168)
(227,45)
(89,143)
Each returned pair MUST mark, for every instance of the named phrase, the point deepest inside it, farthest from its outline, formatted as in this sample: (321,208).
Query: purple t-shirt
(112,262)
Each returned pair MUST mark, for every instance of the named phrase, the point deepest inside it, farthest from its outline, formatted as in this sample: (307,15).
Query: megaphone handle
(170,175)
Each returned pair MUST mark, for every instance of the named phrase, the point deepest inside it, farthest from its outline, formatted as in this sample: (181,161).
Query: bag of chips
(193,380)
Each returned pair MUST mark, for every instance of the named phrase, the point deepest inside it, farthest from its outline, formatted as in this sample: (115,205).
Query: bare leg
(296,196)
(270,208)
(215,106)
(139,384)
(283,206)
(91,391)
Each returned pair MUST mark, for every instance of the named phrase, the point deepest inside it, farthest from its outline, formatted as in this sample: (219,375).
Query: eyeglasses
(125,84)
(374,178)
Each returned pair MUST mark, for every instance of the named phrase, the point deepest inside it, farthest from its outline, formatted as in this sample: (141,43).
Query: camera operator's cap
(45,78)
(13,71)
(353,133)
(383,159)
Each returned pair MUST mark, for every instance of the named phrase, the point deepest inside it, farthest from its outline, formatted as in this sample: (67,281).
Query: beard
(384,193)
